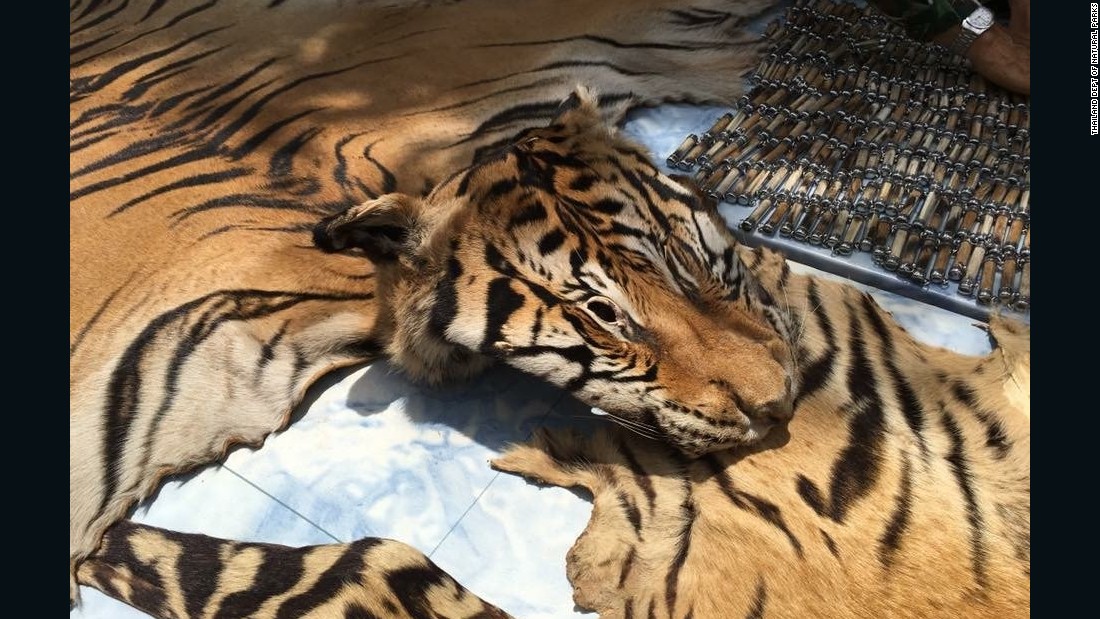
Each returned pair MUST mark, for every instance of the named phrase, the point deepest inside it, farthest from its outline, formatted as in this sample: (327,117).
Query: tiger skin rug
(207,138)
(895,448)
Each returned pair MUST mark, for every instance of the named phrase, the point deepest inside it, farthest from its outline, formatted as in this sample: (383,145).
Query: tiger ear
(580,112)
(382,227)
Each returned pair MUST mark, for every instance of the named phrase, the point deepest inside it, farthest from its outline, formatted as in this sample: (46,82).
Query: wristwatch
(977,21)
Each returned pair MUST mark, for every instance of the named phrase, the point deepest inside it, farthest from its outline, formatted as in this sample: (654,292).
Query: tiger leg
(182,575)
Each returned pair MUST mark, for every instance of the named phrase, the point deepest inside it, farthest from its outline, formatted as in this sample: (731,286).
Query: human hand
(1003,56)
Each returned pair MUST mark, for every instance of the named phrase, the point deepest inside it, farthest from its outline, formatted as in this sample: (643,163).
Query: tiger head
(568,255)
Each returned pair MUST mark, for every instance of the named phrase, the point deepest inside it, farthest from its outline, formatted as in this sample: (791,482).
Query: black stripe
(76,49)
(515,113)
(608,206)
(996,438)
(156,74)
(167,72)
(252,200)
(583,182)
(412,584)
(297,368)
(231,85)
(763,508)
(579,354)
(732,279)
(960,466)
(254,110)
(857,468)
(899,520)
(628,608)
(340,171)
(267,350)
(565,64)
(276,573)
(292,229)
(683,545)
(153,8)
(907,398)
(640,477)
(346,571)
(499,189)
(95,317)
(75,146)
(533,212)
(830,544)
(199,566)
(138,149)
(632,513)
(170,103)
(816,374)
(92,6)
(281,162)
(196,180)
(366,348)
(102,18)
(118,115)
(389,181)
(174,21)
(551,241)
(757,257)
(518,113)
(118,71)
(771,513)
(358,611)
(628,565)
(497,262)
(602,41)
(147,587)
(501,302)
(759,601)
(695,18)
(810,494)
(784,275)
(500,92)
(911,407)
(255,140)
(641,184)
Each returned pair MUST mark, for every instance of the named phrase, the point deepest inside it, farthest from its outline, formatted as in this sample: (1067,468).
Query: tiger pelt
(901,487)
(208,137)
(177,575)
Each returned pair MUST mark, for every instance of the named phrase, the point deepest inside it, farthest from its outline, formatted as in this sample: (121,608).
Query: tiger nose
(780,409)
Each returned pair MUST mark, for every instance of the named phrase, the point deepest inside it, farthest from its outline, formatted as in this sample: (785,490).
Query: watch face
(981,18)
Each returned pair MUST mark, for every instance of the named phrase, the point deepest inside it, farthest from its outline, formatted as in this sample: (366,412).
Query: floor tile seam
(283,504)
(469,507)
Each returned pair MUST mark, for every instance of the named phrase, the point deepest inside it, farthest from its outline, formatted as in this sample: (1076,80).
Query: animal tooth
(598,411)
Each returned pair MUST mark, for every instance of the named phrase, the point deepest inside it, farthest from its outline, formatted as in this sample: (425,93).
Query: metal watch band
(961,44)
(972,25)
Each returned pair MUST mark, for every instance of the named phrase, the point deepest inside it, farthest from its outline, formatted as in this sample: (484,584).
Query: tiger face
(568,255)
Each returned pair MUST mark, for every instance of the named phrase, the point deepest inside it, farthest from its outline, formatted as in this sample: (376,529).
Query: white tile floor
(375,455)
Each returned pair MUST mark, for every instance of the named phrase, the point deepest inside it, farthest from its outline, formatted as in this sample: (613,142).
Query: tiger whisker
(634,424)
(637,427)
(619,422)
